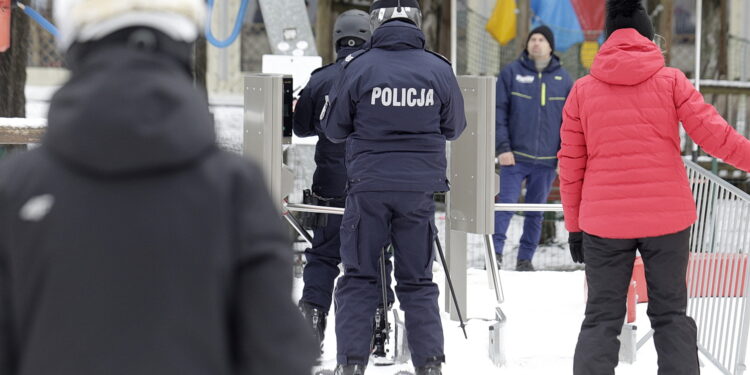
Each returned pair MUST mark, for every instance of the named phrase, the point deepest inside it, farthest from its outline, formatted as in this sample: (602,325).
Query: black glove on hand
(575,239)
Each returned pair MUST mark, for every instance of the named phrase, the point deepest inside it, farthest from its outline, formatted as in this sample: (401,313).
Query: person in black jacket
(129,243)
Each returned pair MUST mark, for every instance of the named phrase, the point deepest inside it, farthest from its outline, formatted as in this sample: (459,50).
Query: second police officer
(394,105)
(350,33)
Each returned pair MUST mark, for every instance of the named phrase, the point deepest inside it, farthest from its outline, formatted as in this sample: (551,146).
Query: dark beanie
(624,14)
(546,32)
(377,4)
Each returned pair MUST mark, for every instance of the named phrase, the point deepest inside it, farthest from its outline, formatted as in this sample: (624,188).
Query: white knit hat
(88,20)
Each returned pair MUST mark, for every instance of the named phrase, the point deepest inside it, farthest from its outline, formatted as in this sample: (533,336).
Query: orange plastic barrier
(4,25)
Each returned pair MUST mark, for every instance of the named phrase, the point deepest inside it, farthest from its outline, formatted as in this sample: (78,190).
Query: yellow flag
(502,23)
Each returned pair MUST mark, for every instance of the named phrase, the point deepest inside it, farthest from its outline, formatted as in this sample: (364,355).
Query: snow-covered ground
(544,311)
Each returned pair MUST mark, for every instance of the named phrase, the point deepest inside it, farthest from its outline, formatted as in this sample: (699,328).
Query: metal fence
(718,269)
(42,50)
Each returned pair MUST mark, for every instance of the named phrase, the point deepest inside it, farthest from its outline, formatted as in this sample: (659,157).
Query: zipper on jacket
(544,91)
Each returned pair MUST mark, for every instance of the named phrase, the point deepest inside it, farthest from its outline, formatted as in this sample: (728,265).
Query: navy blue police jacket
(529,110)
(395,105)
(329,179)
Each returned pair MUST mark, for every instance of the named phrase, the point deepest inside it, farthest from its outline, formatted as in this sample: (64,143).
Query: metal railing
(718,270)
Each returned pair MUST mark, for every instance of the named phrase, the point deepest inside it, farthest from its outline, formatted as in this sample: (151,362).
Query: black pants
(609,267)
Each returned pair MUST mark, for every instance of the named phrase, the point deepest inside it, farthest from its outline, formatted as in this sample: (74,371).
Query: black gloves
(575,239)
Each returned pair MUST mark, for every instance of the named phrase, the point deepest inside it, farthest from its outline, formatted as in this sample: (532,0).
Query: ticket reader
(471,200)
(268,127)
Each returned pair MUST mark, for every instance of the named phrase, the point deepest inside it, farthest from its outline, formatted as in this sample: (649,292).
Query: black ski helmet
(382,11)
(352,28)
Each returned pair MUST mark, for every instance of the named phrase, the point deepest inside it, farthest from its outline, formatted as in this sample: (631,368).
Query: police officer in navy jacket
(394,105)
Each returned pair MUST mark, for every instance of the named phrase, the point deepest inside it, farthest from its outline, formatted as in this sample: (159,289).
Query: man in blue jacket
(531,92)
(350,33)
(395,105)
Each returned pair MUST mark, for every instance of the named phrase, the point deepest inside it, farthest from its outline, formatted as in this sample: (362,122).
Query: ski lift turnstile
(268,127)
(470,204)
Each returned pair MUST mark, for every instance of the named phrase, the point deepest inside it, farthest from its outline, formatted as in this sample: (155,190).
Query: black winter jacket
(130,244)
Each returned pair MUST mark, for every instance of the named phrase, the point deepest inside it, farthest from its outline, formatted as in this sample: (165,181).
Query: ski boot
(380,332)
(524,265)
(316,317)
(355,369)
(433,367)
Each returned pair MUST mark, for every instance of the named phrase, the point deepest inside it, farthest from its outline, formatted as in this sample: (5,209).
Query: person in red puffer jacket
(624,188)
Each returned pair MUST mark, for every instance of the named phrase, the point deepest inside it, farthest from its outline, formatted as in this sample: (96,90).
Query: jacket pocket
(350,240)
(520,95)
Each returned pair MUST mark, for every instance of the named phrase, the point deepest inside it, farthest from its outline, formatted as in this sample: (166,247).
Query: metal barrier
(717,271)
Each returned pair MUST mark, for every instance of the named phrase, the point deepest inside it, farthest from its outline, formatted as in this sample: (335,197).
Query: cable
(235,31)
(39,19)
(209,35)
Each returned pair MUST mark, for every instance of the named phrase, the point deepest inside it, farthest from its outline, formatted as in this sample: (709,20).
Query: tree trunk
(13,73)
(711,35)
(431,23)
(323,29)
(200,64)
(444,30)
(13,68)
(523,25)
(666,25)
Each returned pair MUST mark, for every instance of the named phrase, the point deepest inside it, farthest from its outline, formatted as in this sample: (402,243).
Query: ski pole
(450,284)
(384,287)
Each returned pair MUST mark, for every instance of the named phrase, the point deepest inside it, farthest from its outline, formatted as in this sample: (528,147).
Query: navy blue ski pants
(539,179)
(371,221)
(322,266)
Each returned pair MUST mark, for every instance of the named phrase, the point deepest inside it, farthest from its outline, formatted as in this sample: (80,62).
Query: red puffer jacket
(621,172)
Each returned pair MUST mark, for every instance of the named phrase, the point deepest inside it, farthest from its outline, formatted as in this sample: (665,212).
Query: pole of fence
(454,35)
(697,77)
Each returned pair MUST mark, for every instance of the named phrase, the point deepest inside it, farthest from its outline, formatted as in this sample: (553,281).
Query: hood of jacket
(627,58)
(398,35)
(127,111)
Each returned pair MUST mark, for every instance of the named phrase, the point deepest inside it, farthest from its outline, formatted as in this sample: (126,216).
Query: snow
(544,311)
(16,122)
